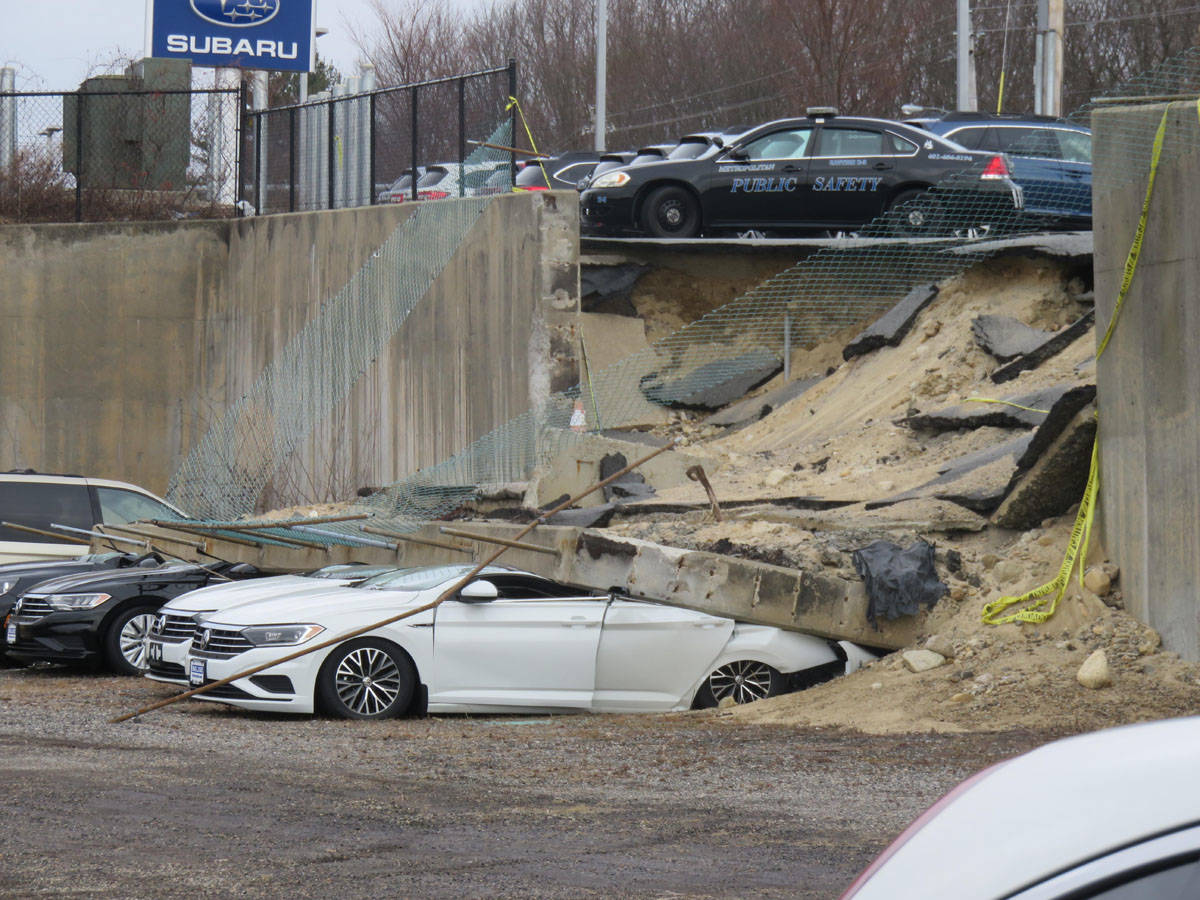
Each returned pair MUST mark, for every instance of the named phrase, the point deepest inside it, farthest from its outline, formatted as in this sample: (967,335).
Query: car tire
(366,679)
(745,680)
(913,213)
(124,640)
(671,212)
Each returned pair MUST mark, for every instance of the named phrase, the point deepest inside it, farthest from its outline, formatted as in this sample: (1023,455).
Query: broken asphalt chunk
(890,328)
(751,409)
(1055,345)
(714,384)
(1009,412)
(1006,338)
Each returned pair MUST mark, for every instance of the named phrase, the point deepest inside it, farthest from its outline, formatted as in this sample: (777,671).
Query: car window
(530,587)
(789,144)
(654,156)
(971,138)
(850,142)
(414,579)
(403,183)
(1076,146)
(572,173)
(431,178)
(893,143)
(38,504)
(118,506)
(1039,143)
(1180,881)
(688,150)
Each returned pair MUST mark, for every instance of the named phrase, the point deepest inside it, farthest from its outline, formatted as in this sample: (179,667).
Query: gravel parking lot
(200,800)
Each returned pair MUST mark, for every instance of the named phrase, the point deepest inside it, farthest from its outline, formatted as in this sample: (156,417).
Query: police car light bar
(821,111)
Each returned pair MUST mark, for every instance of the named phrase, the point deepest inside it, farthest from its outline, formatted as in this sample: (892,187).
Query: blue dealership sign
(248,34)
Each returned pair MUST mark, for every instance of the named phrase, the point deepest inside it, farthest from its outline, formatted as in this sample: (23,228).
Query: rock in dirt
(1094,672)
(922,660)
(890,328)
(1097,581)
(1005,337)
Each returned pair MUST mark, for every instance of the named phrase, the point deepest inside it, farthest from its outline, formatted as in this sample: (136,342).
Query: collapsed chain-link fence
(114,155)
(848,283)
(358,145)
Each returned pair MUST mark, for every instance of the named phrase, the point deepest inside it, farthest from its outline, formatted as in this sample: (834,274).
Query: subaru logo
(204,638)
(236,13)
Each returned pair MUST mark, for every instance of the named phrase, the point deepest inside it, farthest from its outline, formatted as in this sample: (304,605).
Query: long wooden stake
(503,542)
(445,595)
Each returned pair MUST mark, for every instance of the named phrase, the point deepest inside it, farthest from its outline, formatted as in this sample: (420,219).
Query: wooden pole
(503,542)
(433,604)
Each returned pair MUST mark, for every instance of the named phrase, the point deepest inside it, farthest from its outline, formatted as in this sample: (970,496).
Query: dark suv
(1051,159)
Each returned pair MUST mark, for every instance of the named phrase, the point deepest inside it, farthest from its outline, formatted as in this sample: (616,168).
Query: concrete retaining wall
(124,341)
(1149,377)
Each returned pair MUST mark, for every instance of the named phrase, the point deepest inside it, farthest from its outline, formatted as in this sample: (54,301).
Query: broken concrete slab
(1062,411)
(1020,411)
(923,515)
(890,328)
(978,481)
(751,409)
(712,384)
(1006,338)
(608,285)
(1056,344)
(1056,481)
(579,464)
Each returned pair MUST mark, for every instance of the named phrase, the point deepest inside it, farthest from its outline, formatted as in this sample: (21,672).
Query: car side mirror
(717,142)
(737,153)
(478,592)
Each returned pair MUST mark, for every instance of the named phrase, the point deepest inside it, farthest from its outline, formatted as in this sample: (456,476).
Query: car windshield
(403,183)
(689,149)
(645,156)
(532,176)
(350,570)
(414,579)
(607,165)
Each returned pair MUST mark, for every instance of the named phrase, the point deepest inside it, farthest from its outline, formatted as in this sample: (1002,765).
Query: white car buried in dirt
(170,635)
(507,642)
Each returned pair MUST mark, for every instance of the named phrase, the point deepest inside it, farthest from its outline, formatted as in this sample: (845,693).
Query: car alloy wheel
(745,681)
(133,640)
(366,679)
(124,640)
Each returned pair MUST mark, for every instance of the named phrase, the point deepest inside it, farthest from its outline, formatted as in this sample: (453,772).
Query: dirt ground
(200,800)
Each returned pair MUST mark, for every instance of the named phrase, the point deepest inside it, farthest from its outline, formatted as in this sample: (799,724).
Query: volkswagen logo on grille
(205,635)
(236,13)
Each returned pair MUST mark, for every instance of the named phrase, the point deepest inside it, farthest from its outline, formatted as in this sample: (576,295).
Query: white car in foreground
(508,642)
(1112,815)
(170,635)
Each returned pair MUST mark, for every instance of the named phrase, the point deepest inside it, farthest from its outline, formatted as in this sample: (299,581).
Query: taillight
(995,169)
(432,195)
(534,187)
(918,823)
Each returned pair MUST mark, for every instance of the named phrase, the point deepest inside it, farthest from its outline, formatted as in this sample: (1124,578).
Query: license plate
(197,671)
(12,632)
(154,651)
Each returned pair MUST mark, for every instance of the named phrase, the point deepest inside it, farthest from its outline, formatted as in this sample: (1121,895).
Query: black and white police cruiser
(819,172)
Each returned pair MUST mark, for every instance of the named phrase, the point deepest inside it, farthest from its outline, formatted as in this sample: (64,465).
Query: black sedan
(104,617)
(822,171)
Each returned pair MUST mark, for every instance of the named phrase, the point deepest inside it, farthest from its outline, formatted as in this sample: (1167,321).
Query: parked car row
(822,172)
(507,641)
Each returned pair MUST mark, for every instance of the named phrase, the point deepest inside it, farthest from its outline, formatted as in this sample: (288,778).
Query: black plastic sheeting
(900,581)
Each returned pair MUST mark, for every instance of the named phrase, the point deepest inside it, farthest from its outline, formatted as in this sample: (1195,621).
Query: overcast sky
(55,44)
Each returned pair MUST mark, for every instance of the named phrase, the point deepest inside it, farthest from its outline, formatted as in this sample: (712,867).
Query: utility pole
(1048,62)
(967,95)
(601,70)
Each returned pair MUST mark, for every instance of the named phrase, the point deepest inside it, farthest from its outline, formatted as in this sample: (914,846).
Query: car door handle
(705,624)
(791,168)
(880,166)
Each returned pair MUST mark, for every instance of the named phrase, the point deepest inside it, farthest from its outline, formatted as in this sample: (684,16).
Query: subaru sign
(248,34)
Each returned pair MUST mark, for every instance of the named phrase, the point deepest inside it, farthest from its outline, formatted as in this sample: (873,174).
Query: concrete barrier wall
(1149,376)
(123,342)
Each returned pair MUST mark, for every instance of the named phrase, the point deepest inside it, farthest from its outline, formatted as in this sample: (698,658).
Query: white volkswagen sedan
(507,642)
(170,635)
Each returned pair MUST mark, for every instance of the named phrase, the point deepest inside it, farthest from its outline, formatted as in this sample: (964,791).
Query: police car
(822,171)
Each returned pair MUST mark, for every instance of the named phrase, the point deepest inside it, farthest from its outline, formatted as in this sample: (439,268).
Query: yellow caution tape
(1007,403)
(1037,611)
(1081,532)
(513,101)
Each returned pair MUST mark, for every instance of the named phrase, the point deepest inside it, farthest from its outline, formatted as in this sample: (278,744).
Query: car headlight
(63,602)
(6,586)
(280,635)
(611,180)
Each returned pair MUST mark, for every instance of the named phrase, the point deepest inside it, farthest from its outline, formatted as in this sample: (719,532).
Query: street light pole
(601,71)
(966,59)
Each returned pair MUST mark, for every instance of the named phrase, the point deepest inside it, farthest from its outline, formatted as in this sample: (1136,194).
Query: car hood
(222,597)
(320,606)
(21,571)
(86,581)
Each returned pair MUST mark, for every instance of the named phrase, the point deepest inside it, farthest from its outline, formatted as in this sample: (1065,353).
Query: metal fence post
(413,124)
(462,133)
(239,97)
(512,116)
(329,149)
(292,159)
(371,150)
(258,172)
(79,156)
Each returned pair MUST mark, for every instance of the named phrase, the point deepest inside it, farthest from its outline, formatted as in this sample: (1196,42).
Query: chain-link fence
(113,155)
(357,146)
